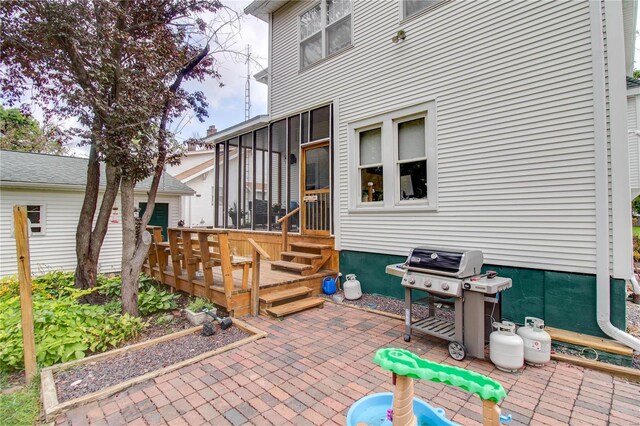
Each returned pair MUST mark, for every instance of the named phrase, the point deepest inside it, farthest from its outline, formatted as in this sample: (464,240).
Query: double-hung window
(324,30)
(394,160)
(370,164)
(411,7)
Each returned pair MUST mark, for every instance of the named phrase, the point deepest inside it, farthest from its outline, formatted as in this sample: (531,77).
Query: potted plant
(232,214)
(194,310)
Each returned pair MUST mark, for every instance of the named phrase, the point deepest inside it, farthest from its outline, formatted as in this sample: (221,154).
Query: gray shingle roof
(20,168)
(632,82)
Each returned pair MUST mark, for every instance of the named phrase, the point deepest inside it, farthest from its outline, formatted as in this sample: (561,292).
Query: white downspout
(636,288)
(603,289)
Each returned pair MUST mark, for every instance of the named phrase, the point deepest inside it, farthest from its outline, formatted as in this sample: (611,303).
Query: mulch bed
(88,378)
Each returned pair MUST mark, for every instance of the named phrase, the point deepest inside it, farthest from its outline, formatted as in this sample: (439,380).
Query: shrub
(154,300)
(198,304)
(64,330)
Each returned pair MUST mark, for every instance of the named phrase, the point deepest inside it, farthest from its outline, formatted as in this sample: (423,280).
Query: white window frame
(391,170)
(359,166)
(323,33)
(403,13)
(42,224)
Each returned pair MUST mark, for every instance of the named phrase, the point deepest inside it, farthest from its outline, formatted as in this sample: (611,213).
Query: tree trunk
(89,237)
(134,248)
(87,268)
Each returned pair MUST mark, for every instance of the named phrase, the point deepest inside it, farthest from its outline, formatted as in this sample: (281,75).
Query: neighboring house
(633,124)
(499,126)
(52,187)
(196,171)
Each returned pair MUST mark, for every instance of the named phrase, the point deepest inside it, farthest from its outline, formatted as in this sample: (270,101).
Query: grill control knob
(445,286)
(412,280)
(428,284)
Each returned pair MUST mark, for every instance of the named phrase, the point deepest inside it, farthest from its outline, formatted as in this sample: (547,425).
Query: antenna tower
(247,87)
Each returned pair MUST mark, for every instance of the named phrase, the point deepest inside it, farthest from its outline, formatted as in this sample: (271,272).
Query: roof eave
(261,9)
(238,129)
(80,188)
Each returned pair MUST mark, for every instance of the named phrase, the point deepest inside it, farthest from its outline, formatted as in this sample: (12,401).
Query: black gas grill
(449,273)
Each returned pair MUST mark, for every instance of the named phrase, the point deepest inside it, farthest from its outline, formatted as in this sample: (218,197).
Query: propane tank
(537,342)
(506,347)
(352,290)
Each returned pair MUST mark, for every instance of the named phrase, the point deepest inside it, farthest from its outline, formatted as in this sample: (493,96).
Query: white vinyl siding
(633,125)
(56,250)
(513,85)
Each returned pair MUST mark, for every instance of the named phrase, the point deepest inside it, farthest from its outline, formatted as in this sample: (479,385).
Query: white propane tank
(506,347)
(351,286)
(537,342)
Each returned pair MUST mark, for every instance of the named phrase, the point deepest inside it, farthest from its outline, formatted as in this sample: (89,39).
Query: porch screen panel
(246,179)
(233,212)
(294,171)
(220,186)
(260,204)
(278,170)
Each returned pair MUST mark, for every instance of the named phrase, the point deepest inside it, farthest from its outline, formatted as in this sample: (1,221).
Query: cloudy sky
(226,104)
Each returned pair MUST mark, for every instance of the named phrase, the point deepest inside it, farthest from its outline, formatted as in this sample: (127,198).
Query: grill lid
(455,263)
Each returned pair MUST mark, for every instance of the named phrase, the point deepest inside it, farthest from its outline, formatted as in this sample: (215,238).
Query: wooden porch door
(315,211)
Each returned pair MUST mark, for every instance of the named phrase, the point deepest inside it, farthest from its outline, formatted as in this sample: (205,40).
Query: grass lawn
(636,231)
(21,407)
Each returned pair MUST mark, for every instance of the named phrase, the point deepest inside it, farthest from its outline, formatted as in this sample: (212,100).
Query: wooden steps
(296,306)
(300,254)
(288,301)
(279,296)
(309,258)
(314,246)
(302,268)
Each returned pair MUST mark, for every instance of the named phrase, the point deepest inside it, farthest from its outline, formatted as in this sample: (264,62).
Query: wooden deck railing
(284,221)
(258,253)
(196,252)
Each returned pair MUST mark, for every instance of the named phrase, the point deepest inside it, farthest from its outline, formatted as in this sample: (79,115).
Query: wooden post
(490,413)
(20,225)
(258,252)
(285,234)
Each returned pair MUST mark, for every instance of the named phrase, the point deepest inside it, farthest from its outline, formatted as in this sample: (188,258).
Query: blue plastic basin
(372,410)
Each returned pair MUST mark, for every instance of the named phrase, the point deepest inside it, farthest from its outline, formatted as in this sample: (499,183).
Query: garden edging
(51,405)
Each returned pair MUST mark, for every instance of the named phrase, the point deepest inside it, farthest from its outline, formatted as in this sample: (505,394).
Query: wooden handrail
(284,220)
(258,252)
(288,215)
(259,248)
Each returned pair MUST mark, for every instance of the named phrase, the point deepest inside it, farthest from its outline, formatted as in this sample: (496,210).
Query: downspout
(603,288)
(636,289)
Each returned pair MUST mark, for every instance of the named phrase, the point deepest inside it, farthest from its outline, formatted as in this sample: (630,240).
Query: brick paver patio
(315,364)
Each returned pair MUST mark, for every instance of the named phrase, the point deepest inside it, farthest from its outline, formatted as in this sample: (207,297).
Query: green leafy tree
(636,74)
(20,132)
(118,67)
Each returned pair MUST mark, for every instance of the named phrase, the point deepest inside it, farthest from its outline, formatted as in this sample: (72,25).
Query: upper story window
(411,7)
(324,30)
